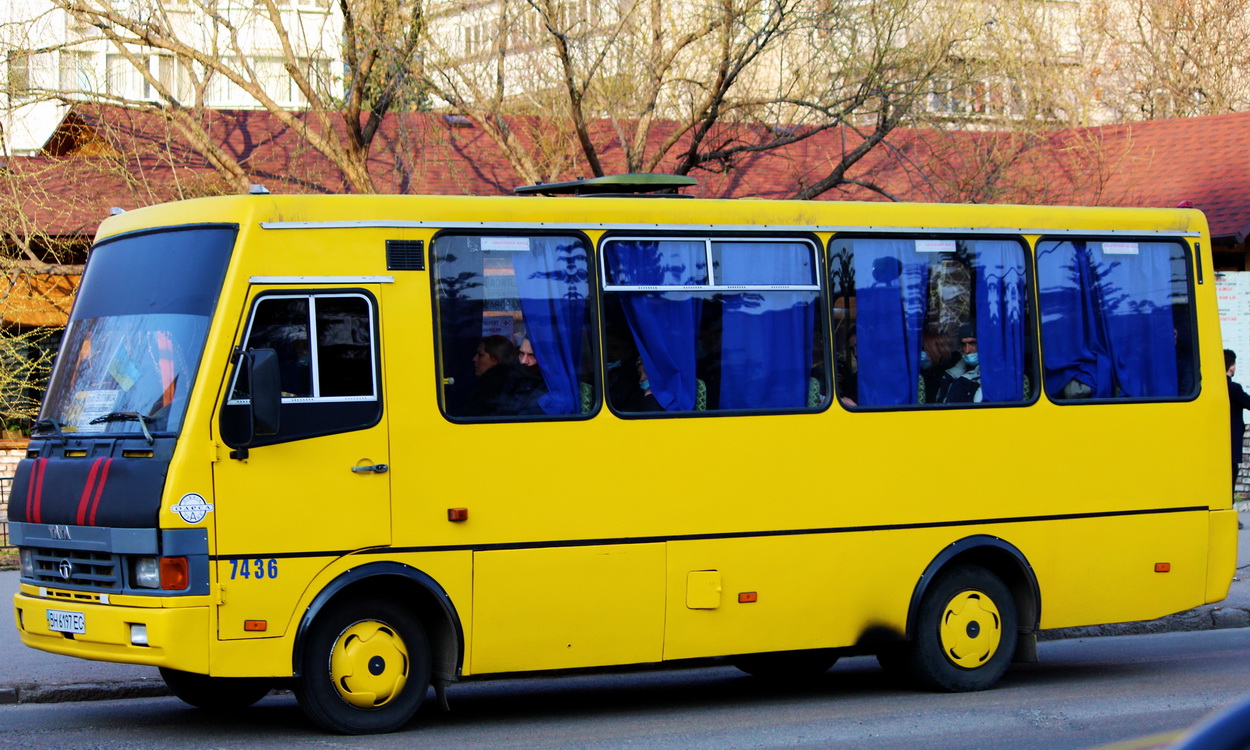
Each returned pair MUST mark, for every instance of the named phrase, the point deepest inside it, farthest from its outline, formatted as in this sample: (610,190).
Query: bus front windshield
(137,332)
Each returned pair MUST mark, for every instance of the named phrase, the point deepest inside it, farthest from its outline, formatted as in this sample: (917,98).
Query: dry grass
(8,558)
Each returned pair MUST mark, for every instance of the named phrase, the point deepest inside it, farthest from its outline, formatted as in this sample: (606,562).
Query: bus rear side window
(1116,320)
(931,321)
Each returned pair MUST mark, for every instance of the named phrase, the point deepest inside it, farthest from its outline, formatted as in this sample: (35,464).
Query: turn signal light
(255,626)
(174,573)
(1163,567)
(746,597)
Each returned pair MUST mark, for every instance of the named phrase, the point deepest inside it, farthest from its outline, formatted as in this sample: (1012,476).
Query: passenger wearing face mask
(938,352)
(961,382)
(648,401)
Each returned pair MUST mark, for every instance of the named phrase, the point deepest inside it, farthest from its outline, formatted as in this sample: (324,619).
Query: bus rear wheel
(215,693)
(365,668)
(965,634)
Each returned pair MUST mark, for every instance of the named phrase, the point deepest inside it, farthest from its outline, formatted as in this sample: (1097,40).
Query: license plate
(66,622)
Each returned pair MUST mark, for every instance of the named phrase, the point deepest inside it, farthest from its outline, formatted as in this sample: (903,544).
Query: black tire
(787,665)
(365,668)
(215,693)
(965,633)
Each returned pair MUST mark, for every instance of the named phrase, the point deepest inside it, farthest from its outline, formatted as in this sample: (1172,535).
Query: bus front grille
(78,568)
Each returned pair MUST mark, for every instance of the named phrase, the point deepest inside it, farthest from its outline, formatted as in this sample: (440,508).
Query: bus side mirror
(266,386)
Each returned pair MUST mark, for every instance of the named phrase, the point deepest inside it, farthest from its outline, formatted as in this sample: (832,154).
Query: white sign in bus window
(935,246)
(1119,248)
(506,244)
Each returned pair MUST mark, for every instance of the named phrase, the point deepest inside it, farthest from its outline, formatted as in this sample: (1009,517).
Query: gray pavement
(30,676)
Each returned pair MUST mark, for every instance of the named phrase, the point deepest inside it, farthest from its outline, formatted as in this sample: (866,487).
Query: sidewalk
(30,676)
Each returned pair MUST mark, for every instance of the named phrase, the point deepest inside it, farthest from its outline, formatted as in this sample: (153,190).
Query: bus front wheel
(965,632)
(365,669)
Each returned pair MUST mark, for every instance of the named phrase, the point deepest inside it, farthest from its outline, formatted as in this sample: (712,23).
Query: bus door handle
(371,469)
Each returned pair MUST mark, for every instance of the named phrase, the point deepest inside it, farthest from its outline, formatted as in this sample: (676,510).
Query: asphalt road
(1086,692)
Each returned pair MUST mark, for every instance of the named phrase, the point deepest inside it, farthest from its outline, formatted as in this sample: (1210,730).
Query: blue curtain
(665,325)
(766,354)
(1000,295)
(890,297)
(552,282)
(1107,318)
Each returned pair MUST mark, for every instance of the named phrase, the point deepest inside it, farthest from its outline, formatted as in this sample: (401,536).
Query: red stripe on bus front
(41,468)
(99,490)
(86,490)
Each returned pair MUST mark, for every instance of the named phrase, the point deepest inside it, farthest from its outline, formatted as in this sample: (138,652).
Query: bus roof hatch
(616,185)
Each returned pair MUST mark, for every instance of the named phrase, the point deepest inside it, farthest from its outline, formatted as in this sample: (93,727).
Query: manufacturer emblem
(66,569)
(58,532)
(192,508)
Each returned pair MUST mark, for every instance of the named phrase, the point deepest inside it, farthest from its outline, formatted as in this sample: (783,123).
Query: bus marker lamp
(457,514)
(255,626)
(1163,567)
(174,573)
(747,597)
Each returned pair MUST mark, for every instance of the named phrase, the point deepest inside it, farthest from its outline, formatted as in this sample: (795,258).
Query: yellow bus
(370,445)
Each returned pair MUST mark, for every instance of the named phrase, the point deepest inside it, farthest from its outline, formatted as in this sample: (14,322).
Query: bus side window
(1116,320)
(716,324)
(514,324)
(931,321)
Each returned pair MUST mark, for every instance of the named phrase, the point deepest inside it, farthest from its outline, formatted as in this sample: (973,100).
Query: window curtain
(766,357)
(1107,318)
(664,325)
(1000,295)
(553,283)
(890,289)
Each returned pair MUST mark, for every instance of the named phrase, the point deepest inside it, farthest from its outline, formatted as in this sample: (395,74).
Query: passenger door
(291,502)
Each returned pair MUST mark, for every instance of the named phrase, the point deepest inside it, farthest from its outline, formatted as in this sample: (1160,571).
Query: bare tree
(193,53)
(1162,58)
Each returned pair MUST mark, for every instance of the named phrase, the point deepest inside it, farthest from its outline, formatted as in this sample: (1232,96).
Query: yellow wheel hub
(971,629)
(369,664)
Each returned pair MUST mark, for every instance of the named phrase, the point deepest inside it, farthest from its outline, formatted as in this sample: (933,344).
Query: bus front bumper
(175,637)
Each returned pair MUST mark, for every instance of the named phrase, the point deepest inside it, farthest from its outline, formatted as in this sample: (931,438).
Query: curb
(101,691)
(1208,617)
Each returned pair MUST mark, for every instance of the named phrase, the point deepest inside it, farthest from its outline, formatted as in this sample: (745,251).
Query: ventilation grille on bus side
(405,255)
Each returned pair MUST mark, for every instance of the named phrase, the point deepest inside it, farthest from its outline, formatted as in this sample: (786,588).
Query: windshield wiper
(52,423)
(127,416)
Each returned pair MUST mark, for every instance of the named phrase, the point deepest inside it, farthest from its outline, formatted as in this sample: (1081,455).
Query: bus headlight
(145,573)
(27,558)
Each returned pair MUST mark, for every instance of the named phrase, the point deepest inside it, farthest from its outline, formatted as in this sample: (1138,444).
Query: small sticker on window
(935,246)
(1119,248)
(506,244)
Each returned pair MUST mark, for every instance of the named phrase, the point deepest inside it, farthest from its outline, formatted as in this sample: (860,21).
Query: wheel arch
(996,555)
(399,583)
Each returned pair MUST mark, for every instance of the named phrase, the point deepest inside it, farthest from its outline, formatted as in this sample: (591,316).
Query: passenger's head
(1230,362)
(526,354)
(493,350)
(937,350)
(968,344)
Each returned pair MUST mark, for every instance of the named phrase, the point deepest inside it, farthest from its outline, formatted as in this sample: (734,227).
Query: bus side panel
(1101,570)
(738,596)
(567,607)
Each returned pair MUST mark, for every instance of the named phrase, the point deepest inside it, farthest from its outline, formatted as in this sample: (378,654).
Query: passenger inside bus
(961,382)
(494,364)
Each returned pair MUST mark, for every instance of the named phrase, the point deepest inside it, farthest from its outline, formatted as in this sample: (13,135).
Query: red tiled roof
(144,160)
